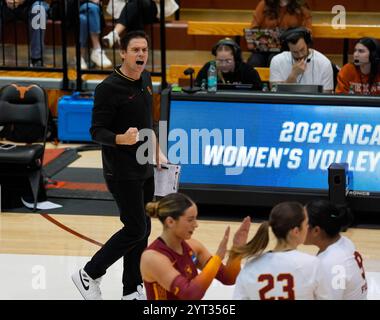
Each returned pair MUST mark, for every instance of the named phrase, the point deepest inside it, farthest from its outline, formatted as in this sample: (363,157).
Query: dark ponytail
(328,217)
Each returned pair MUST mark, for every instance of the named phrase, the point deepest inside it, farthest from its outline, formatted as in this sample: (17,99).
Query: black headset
(233,45)
(294,33)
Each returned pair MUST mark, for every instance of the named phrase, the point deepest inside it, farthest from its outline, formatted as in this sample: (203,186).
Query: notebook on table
(264,40)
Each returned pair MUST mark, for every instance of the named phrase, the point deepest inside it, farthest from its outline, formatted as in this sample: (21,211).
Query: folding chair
(24,117)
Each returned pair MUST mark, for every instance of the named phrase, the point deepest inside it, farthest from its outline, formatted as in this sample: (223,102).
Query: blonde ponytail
(151,209)
(173,205)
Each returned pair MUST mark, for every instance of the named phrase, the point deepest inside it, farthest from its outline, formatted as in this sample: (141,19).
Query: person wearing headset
(363,75)
(230,66)
(299,63)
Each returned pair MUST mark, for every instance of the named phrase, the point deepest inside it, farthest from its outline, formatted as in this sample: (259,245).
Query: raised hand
(222,249)
(299,67)
(241,234)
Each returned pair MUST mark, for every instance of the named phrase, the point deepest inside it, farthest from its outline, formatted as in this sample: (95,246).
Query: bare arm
(155,267)
(227,273)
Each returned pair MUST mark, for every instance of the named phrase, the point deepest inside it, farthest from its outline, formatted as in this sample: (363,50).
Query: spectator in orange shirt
(363,75)
(283,14)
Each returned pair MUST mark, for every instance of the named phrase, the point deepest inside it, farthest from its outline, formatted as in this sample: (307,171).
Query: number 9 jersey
(343,267)
(285,275)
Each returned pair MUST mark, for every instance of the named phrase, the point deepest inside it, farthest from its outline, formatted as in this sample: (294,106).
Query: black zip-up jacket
(121,103)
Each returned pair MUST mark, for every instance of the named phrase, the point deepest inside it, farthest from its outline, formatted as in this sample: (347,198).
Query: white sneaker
(89,288)
(111,39)
(83,64)
(137,295)
(98,56)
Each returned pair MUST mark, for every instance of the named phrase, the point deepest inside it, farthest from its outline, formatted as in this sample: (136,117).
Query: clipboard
(166,180)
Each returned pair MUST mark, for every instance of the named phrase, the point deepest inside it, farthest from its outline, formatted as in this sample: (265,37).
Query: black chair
(24,118)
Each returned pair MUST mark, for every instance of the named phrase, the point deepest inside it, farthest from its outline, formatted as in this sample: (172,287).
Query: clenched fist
(13,4)
(129,137)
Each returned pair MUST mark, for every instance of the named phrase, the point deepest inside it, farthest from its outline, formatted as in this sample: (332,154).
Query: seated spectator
(363,75)
(90,23)
(26,10)
(300,63)
(135,15)
(230,66)
(283,14)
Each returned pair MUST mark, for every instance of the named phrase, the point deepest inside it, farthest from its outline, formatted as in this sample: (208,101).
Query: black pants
(129,242)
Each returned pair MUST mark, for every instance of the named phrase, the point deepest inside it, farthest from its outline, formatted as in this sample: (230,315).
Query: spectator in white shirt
(300,63)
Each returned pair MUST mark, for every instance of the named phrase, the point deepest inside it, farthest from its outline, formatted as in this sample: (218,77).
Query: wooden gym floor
(39,252)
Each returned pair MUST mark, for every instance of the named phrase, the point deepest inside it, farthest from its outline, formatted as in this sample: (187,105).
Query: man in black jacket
(35,13)
(122,107)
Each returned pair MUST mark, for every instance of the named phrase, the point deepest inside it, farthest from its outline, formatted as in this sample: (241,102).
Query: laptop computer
(264,40)
(298,88)
(234,86)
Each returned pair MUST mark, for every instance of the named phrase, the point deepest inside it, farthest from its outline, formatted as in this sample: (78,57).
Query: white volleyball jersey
(343,267)
(281,275)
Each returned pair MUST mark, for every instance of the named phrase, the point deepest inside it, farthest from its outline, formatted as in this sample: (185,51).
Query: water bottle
(212,77)
(265,88)
(274,87)
(203,85)
(351,91)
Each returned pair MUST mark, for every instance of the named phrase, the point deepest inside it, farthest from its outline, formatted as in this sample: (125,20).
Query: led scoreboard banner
(262,148)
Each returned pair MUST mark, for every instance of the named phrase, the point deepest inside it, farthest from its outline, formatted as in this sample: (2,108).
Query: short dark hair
(124,41)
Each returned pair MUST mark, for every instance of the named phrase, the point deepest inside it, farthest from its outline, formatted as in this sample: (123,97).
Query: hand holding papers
(166,180)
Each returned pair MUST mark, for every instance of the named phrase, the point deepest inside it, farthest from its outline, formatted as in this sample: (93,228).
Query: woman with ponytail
(283,273)
(169,265)
(341,263)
